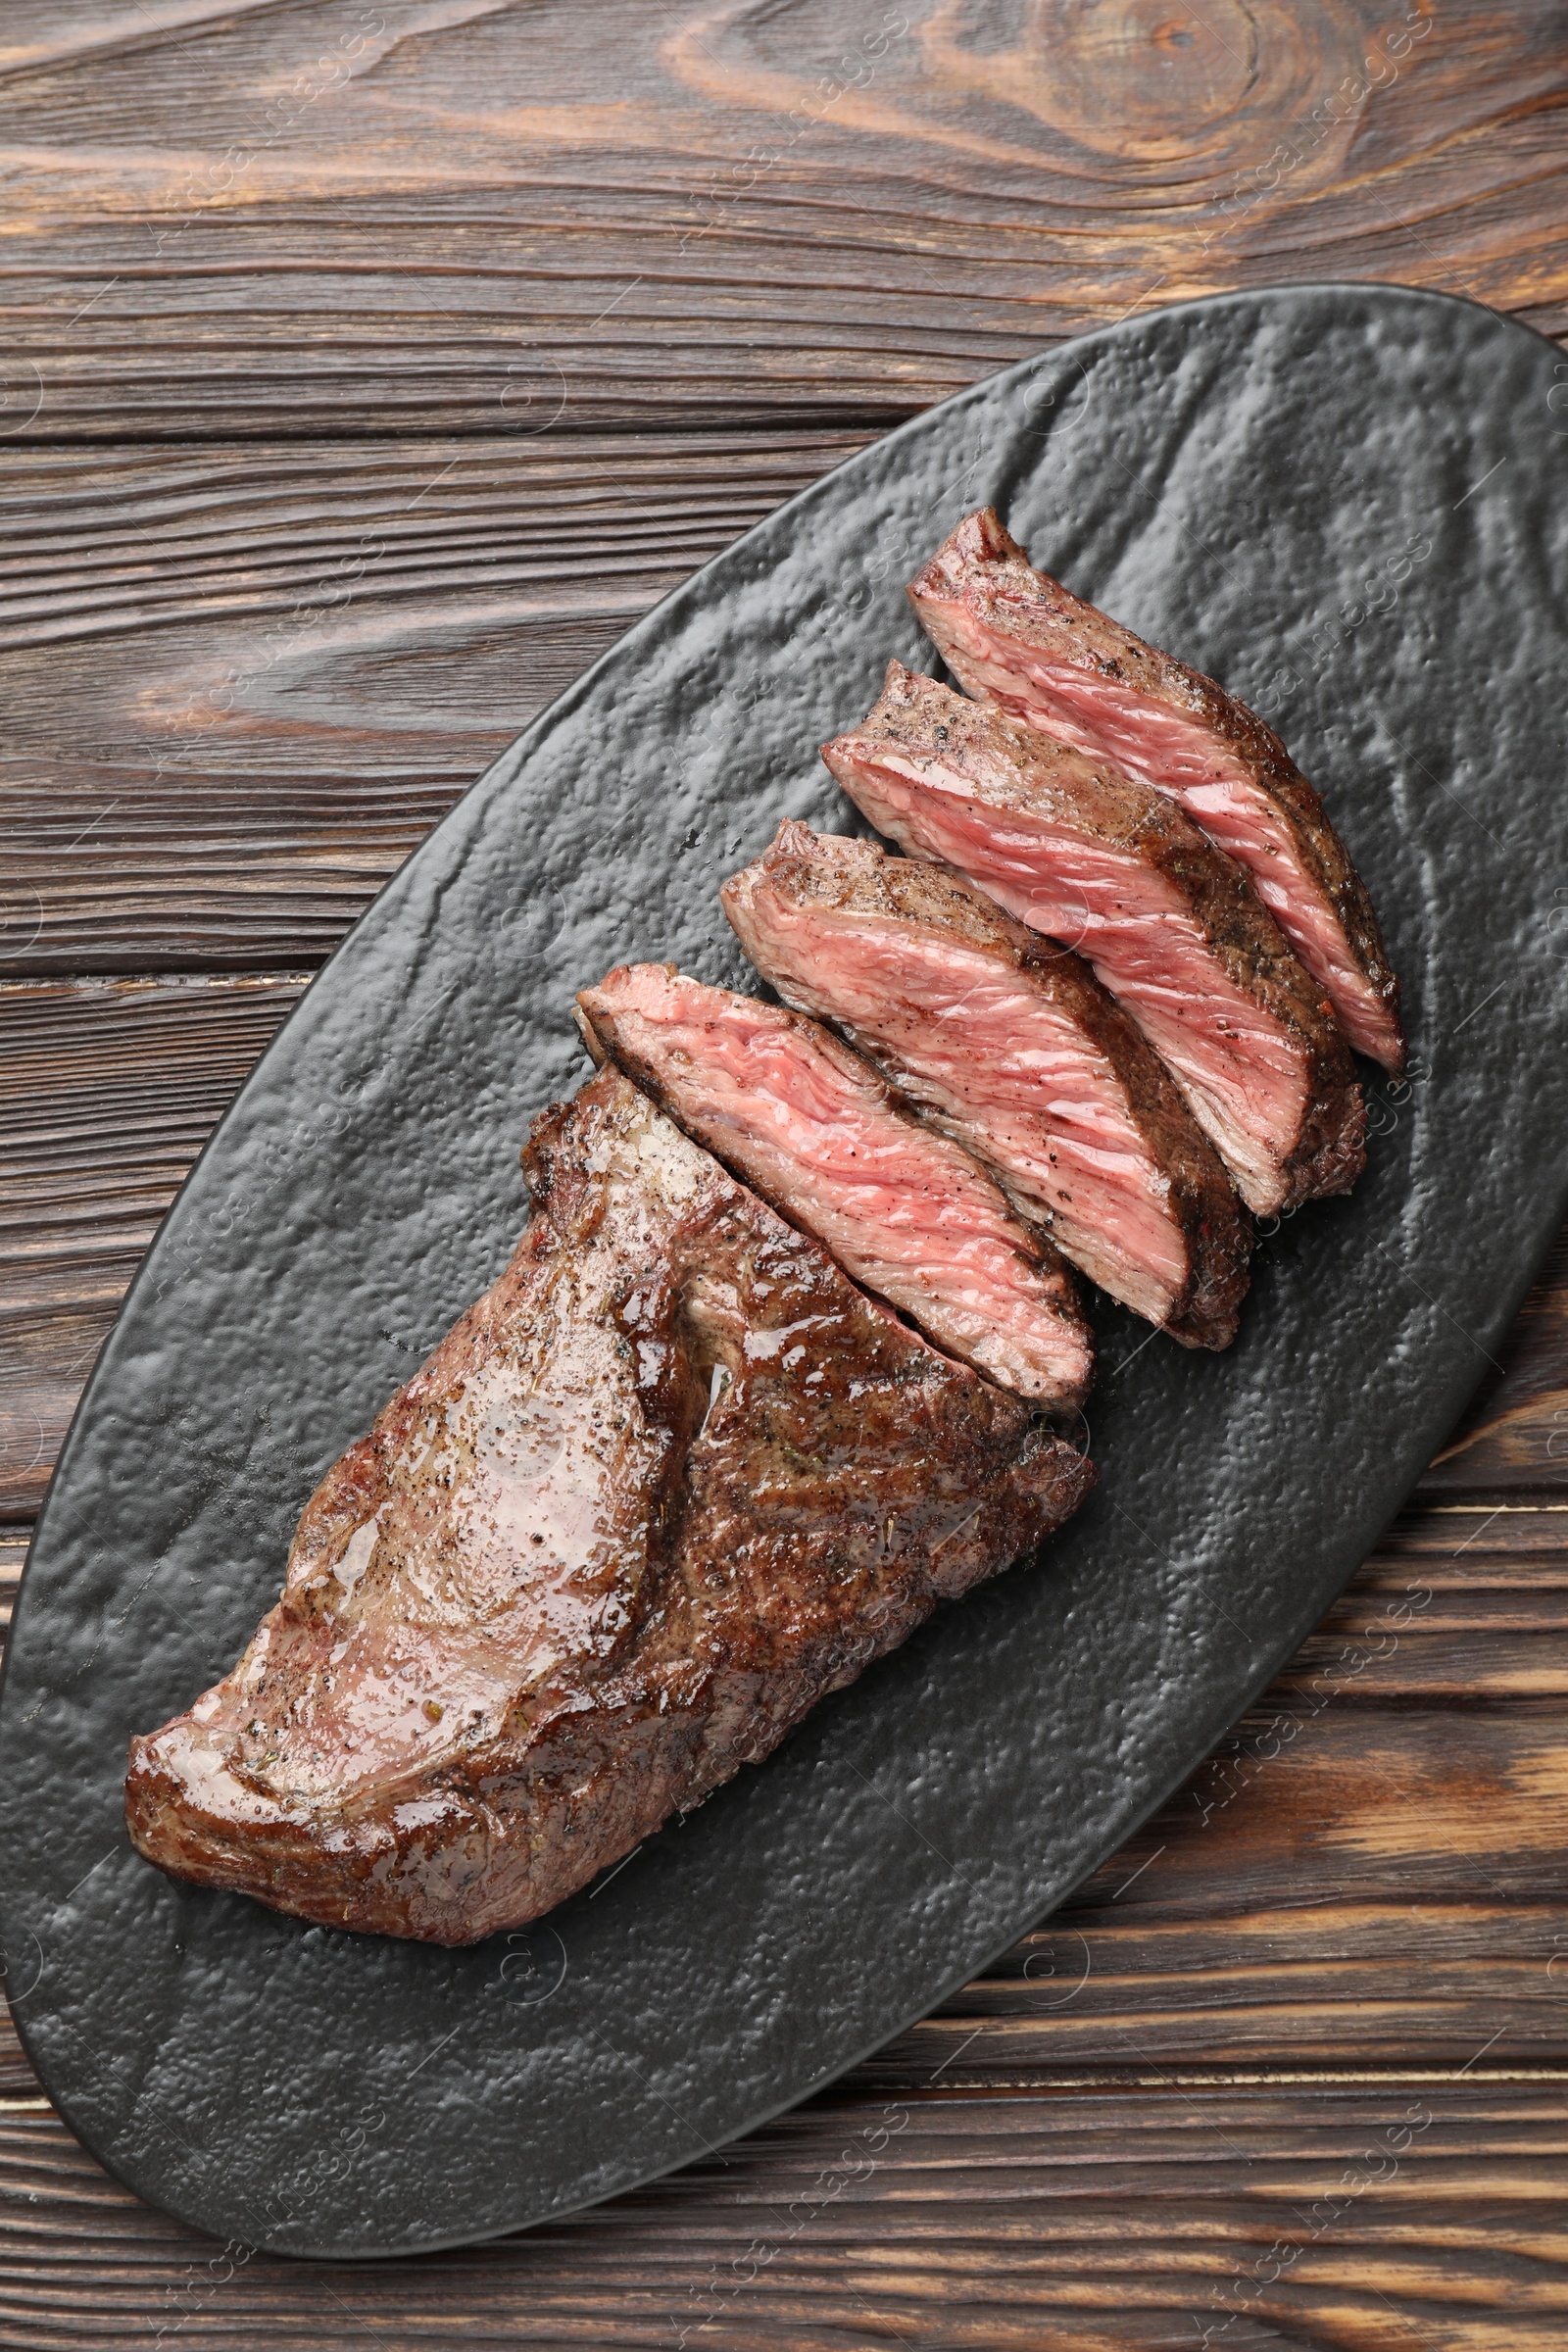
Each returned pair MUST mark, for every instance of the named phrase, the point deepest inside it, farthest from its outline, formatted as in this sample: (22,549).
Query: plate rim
(515,754)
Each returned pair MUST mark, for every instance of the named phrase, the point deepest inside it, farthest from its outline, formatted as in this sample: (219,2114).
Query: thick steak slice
(1170,924)
(668,1482)
(1018,1052)
(811,1127)
(1018,638)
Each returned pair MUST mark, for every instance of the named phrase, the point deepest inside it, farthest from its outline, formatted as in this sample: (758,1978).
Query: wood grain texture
(523,214)
(1515,1433)
(108,1091)
(364,370)
(1296,2061)
(238,687)
(1363,2217)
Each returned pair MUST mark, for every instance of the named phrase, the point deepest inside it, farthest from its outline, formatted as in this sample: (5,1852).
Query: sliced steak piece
(811,1127)
(671,1480)
(1017,637)
(1170,924)
(1016,1050)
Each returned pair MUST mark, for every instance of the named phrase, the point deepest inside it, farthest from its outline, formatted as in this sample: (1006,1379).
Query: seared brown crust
(1016,767)
(858,877)
(614,1553)
(1088,638)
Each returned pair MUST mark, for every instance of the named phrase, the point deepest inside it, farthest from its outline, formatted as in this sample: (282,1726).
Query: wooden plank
(1295,2059)
(240,687)
(1291,2069)
(1515,1433)
(1396,2216)
(1367,1875)
(14,1542)
(1334,1906)
(108,1091)
(480,215)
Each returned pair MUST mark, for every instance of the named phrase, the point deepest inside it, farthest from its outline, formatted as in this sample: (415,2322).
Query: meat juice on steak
(667,1483)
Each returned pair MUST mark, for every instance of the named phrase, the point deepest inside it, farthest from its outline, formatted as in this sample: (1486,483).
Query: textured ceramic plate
(1347,503)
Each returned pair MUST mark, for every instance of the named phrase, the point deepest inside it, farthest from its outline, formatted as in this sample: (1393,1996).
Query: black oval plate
(1348,504)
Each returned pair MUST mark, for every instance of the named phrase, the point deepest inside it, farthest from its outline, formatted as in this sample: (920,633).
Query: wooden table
(370,368)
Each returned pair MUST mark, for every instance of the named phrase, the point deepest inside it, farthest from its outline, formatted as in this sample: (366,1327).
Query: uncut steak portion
(1017,637)
(1170,924)
(1016,1050)
(667,1483)
(813,1127)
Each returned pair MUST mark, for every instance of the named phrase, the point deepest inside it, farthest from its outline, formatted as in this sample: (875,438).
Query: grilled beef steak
(668,1482)
(1170,925)
(1018,638)
(811,1127)
(1016,1050)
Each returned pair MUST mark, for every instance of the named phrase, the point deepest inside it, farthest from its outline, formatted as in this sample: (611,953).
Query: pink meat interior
(1178,754)
(904,1211)
(975,1042)
(1240,1074)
